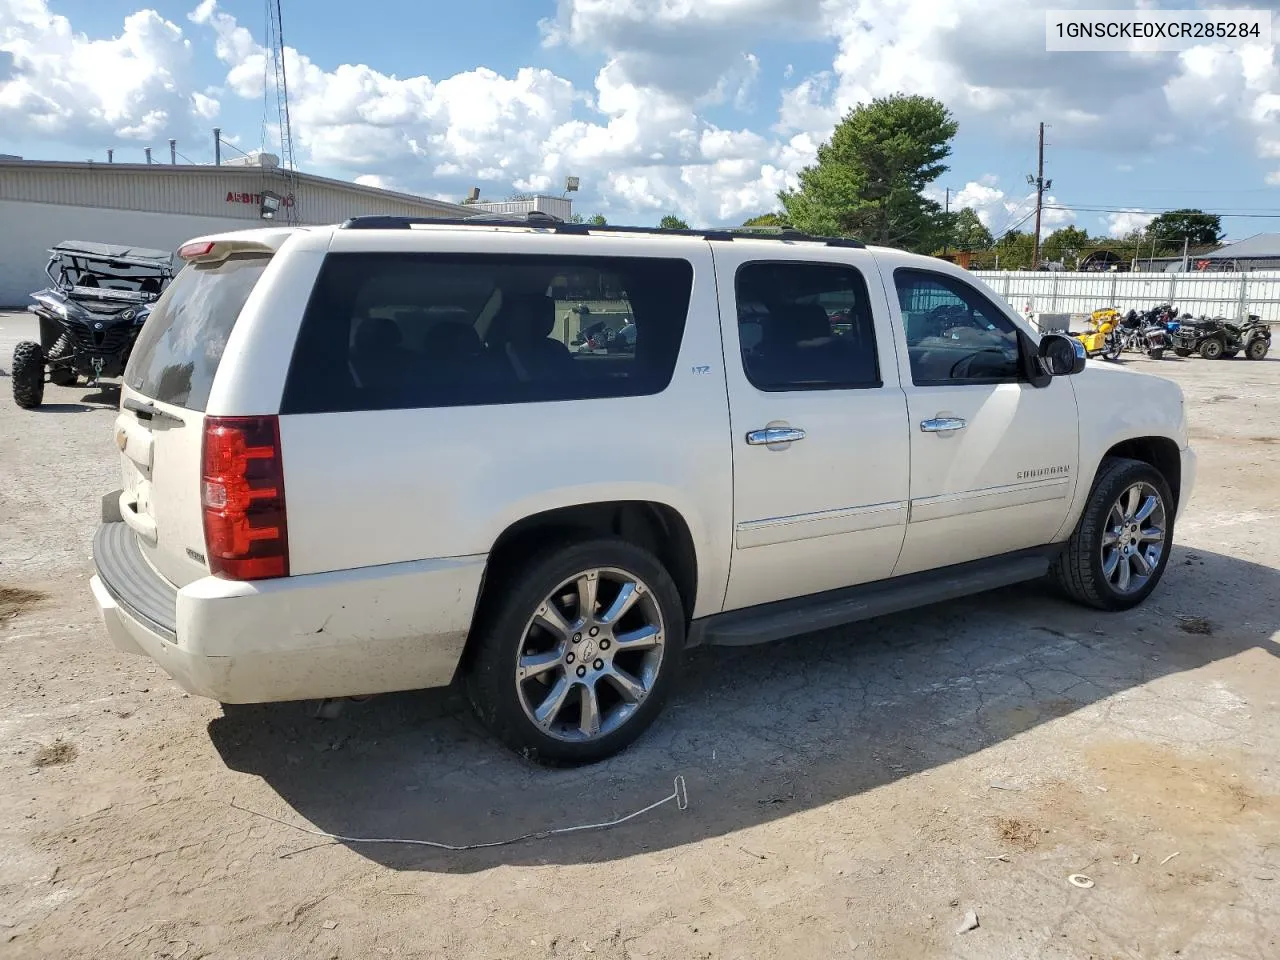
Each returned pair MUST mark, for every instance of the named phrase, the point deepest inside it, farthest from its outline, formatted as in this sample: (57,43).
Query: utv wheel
(60,376)
(1182,351)
(1258,349)
(576,651)
(1120,547)
(1211,349)
(28,375)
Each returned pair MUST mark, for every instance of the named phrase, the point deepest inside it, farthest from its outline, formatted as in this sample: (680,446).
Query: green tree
(672,222)
(968,232)
(768,220)
(1198,227)
(1067,244)
(1015,249)
(870,175)
(574,218)
(597,220)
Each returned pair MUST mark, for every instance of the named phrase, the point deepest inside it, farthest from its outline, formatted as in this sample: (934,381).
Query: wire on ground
(679,794)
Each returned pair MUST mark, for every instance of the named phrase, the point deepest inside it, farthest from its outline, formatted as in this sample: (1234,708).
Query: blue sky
(702,109)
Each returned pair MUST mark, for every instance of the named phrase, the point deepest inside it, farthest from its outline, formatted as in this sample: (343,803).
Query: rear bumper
(399,626)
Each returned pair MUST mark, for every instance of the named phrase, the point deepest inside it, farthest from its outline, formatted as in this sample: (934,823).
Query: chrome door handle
(771,435)
(943,424)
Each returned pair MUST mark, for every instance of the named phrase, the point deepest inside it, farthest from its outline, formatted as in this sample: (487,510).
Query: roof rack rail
(546,221)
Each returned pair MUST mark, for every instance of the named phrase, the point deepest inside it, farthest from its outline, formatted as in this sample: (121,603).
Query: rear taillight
(242,496)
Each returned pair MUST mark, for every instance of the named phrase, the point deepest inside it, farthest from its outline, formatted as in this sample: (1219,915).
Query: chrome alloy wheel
(1133,539)
(590,654)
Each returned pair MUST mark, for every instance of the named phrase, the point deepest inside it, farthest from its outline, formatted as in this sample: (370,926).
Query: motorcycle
(101,294)
(1103,338)
(1147,332)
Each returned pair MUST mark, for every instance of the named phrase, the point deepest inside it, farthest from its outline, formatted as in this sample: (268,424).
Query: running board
(835,608)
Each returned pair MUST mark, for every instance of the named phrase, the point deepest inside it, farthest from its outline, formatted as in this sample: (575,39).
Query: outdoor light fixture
(270,205)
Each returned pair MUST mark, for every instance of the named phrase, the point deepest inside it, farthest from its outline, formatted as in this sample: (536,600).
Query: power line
(1154,211)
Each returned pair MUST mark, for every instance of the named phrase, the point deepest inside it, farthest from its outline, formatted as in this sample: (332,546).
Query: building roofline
(233,170)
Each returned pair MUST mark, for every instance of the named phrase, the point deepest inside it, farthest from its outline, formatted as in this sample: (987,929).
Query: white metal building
(162,205)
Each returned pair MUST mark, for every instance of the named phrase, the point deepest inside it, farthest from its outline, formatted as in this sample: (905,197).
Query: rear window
(407,331)
(178,351)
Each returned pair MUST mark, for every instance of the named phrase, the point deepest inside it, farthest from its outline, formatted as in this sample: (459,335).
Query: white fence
(1230,295)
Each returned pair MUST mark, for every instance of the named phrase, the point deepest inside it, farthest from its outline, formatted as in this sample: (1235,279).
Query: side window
(406,331)
(805,326)
(954,333)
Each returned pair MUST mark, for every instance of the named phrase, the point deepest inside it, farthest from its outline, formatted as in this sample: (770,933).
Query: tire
(1182,351)
(60,376)
(1258,348)
(1080,572)
(1211,349)
(507,631)
(28,375)
(1156,354)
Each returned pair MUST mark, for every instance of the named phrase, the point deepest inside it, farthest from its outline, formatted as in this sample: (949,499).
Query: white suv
(381,456)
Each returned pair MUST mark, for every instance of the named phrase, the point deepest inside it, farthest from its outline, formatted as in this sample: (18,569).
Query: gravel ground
(851,794)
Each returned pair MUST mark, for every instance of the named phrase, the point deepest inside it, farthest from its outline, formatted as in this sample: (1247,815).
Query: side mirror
(1060,356)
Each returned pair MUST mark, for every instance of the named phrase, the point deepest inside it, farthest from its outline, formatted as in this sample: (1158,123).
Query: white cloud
(60,85)
(1122,224)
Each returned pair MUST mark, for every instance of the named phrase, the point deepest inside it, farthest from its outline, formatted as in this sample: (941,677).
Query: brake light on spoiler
(215,251)
(242,498)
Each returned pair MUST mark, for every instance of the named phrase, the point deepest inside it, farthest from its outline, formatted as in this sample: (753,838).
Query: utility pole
(946,219)
(1041,185)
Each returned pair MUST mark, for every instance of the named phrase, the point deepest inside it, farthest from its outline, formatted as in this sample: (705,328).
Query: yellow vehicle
(1102,339)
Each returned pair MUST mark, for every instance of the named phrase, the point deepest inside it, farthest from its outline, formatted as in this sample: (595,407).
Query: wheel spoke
(590,722)
(1110,537)
(1109,563)
(1148,508)
(1132,498)
(550,707)
(1126,574)
(550,617)
(1142,563)
(644,638)
(632,690)
(1151,535)
(624,601)
(536,664)
(586,585)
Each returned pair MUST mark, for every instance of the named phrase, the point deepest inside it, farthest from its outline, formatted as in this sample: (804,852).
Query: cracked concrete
(852,794)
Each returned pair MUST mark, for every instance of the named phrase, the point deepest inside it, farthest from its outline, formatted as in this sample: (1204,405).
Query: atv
(1217,337)
(100,296)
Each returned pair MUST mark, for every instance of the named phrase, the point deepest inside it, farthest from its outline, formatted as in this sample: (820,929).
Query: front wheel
(576,651)
(28,375)
(1119,549)
(1258,348)
(1111,351)
(1211,349)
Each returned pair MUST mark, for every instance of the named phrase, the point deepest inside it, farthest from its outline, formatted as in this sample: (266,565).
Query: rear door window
(177,354)
(408,331)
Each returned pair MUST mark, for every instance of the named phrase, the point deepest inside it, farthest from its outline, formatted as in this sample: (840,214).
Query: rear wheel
(1182,351)
(1258,349)
(1119,549)
(28,375)
(1211,349)
(575,653)
(1156,353)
